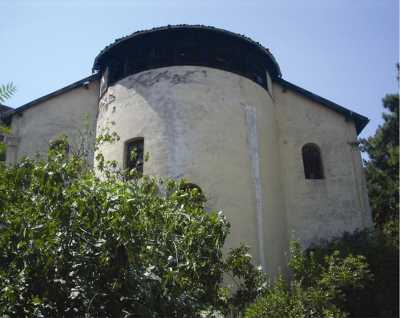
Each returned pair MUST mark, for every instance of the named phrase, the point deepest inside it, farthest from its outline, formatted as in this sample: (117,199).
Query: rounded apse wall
(217,130)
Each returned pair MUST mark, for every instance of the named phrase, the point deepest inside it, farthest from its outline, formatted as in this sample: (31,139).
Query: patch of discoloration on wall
(150,78)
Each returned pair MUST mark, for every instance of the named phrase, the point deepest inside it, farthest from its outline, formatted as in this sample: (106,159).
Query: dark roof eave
(4,108)
(19,110)
(96,66)
(359,120)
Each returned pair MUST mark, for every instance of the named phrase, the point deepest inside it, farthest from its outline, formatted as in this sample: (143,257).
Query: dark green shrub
(76,245)
(316,288)
(380,297)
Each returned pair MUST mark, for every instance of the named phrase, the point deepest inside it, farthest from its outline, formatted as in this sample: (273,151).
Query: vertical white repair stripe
(178,154)
(252,139)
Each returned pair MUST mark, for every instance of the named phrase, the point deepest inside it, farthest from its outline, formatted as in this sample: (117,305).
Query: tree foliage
(316,288)
(380,296)
(3,130)
(6,91)
(380,246)
(76,245)
(382,167)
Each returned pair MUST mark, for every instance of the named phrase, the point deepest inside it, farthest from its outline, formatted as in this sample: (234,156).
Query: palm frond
(6,91)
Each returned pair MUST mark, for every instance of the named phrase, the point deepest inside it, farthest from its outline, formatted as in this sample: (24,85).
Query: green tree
(6,91)
(317,288)
(380,296)
(73,244)
(382,167)
(3,148)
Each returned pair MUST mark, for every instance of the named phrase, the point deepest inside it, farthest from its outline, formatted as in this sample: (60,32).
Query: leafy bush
(380,246)
(73,244)
(382,166)
(328,281)
(316,288)
(380,297)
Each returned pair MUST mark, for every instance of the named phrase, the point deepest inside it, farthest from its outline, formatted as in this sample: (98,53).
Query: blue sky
(343,50)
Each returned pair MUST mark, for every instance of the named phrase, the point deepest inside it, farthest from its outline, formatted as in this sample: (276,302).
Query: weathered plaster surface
(320,209)
(70,113)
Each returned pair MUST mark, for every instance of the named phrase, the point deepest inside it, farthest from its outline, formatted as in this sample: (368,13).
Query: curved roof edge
(359,120)
(96,64)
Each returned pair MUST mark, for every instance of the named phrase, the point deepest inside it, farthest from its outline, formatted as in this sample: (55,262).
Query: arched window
(134,154)
(312,162)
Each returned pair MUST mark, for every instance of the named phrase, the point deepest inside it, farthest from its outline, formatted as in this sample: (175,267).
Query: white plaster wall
(319,209)
(216,129)
(67,113)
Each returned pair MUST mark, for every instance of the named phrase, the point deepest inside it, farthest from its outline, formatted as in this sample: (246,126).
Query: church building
(211,106)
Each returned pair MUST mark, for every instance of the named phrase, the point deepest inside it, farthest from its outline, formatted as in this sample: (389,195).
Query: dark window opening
(312,162)
(135,155)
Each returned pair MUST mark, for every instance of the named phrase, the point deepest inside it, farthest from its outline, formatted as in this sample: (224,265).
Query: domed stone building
(212,107)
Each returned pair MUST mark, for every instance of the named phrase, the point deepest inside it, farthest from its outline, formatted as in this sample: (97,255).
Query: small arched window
(312,162)
(134,155)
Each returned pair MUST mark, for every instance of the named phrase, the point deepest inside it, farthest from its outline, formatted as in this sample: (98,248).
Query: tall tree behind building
(382,167)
